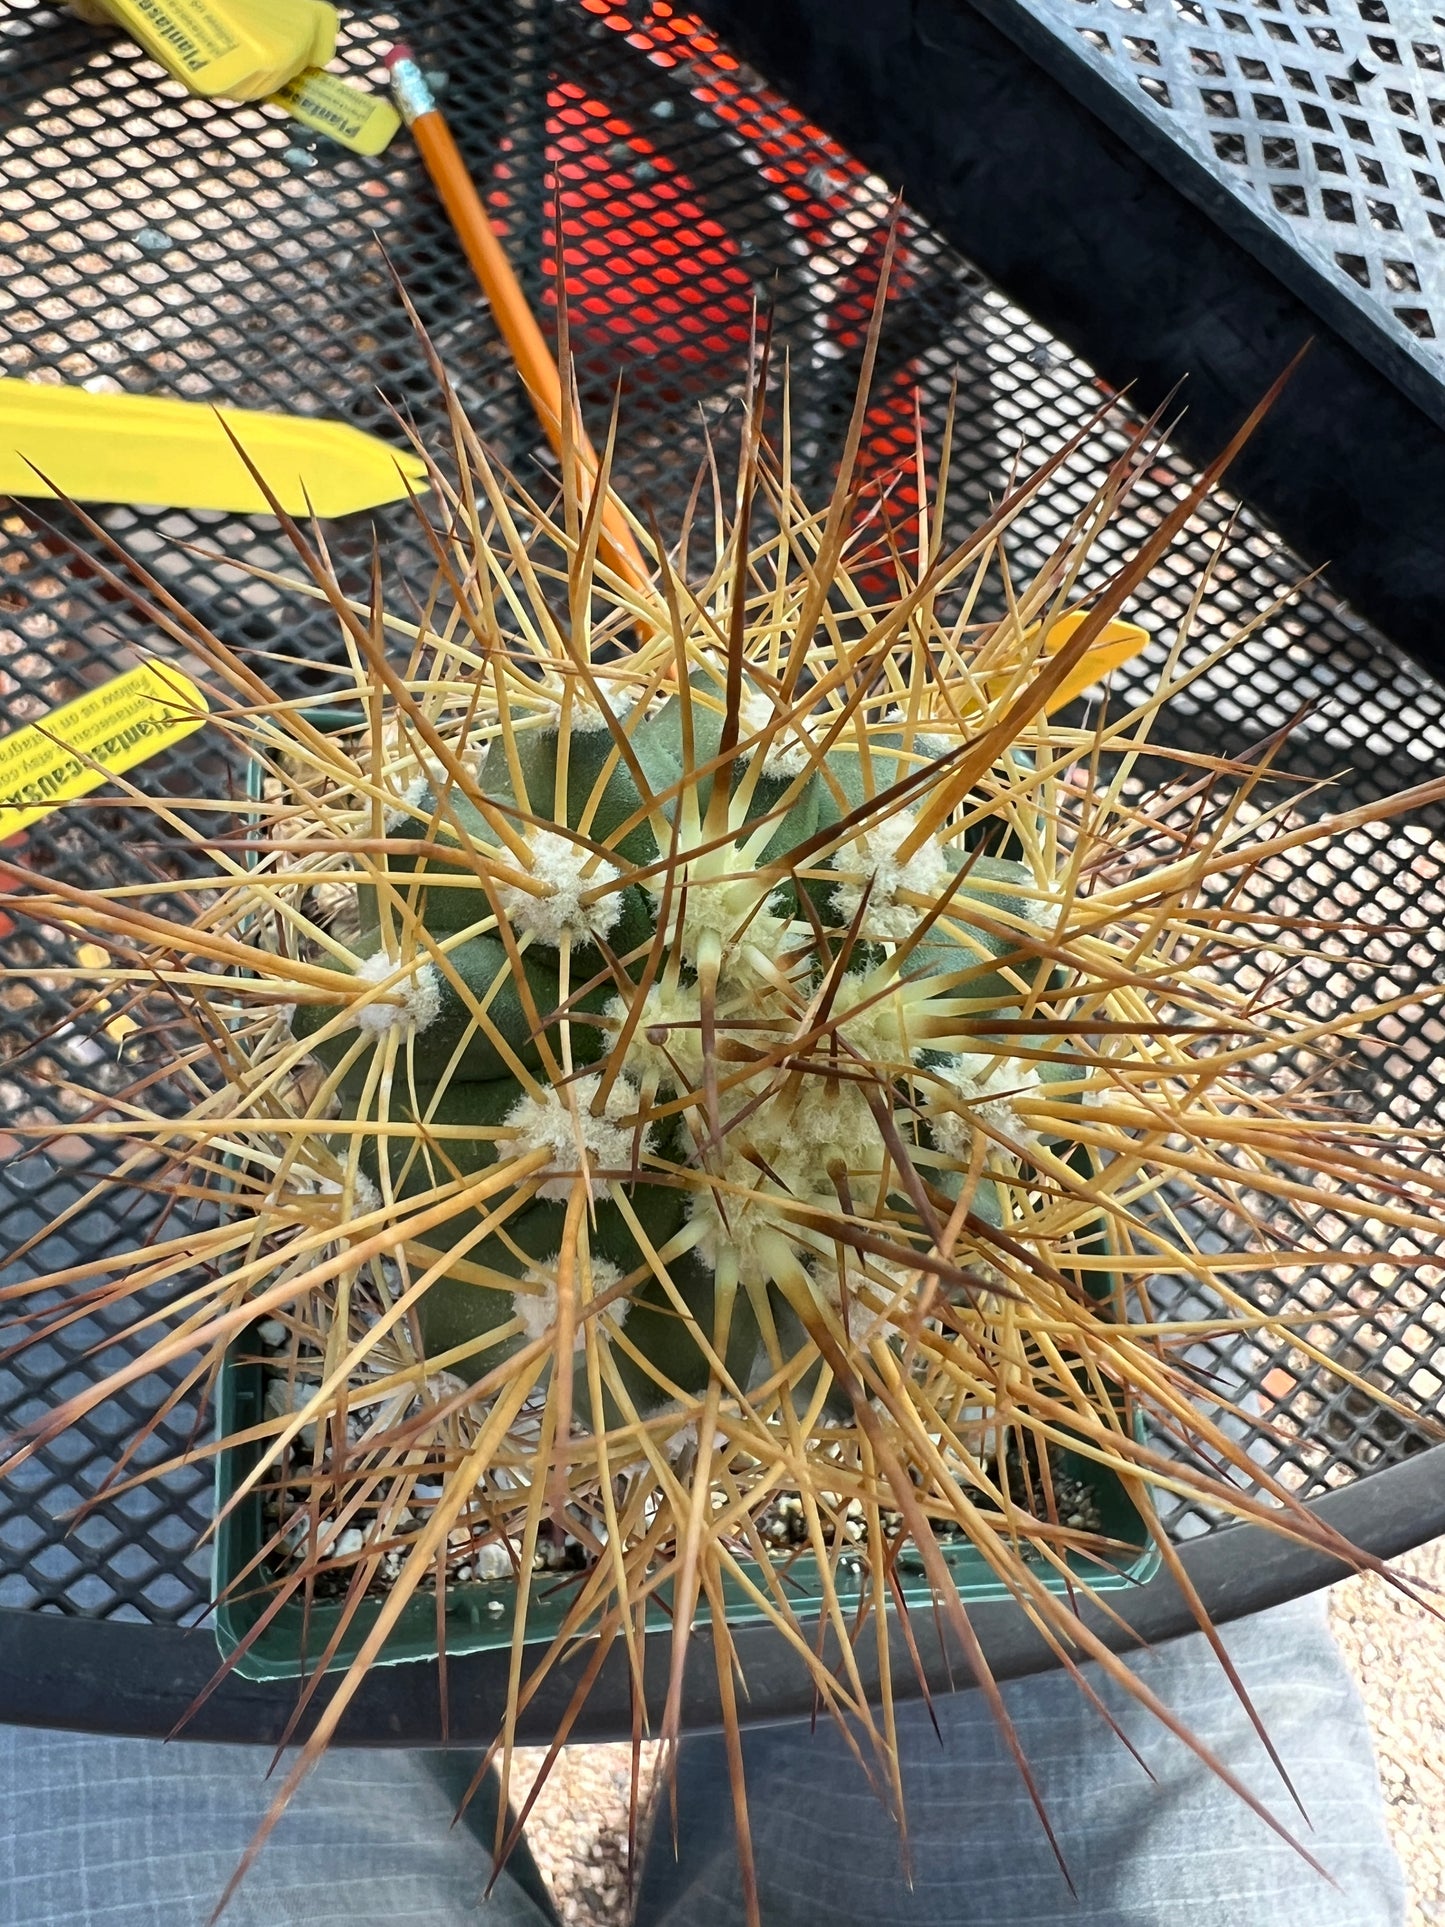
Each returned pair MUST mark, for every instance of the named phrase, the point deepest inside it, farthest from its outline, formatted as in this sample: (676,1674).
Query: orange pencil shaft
(518,325)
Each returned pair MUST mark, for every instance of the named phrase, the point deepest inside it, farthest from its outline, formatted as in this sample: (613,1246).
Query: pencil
(417,106)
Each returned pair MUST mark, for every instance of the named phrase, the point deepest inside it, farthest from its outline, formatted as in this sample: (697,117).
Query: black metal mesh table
(155,243)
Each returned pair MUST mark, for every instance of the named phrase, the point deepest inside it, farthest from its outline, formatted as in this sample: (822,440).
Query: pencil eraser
(398,53)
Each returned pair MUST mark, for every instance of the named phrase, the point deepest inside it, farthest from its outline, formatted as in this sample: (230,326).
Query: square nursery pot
(479,1615)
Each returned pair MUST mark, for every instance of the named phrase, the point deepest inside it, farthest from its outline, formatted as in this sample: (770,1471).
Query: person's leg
(1179,1849)
(101,1832)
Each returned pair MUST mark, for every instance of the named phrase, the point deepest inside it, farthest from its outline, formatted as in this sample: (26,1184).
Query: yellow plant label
(1116,643)
(120,1026)
(95,736)
(363,122)
(186,34)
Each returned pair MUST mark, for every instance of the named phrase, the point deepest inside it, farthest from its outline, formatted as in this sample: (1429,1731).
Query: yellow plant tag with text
(234,49)
(93,737)
(194,41)
(363,122)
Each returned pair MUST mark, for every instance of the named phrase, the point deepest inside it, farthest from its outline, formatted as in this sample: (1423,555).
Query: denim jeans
(101,1832)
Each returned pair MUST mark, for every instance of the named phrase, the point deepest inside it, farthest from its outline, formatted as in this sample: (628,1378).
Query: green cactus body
(575,1017)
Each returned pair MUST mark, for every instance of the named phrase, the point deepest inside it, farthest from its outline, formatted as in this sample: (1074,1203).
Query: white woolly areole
(783,753)
(585,718)
(419,991)
(748,1215)
(802,1130)
(562,865)
(796,1132)
(875,853)
(537,1308)
(867,1298)
(685,1439)
(563,1126)
(985,1090)
(407,806)
(666,1046)
(441,1386)
(925,743)
(364,1195)
(875,1026)
(731,911)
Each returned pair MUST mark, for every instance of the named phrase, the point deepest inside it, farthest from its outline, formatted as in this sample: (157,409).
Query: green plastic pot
(289,1644)
(479,1615)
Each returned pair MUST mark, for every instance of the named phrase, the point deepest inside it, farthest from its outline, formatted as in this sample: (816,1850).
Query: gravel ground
(578,1829)
(1397,1653)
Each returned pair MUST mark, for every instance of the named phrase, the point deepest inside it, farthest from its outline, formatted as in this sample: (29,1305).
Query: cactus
(666,1053)
(704,1004)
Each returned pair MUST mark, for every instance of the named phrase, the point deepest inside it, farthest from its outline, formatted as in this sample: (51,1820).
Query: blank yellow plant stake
(165,453)
(1117,643)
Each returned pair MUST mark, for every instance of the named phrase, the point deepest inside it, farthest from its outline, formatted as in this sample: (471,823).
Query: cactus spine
(669,1054)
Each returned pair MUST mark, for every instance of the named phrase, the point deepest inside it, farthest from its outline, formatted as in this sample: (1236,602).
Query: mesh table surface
(154,243)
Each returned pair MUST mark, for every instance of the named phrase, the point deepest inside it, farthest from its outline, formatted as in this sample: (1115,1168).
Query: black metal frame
(1120,243)
(150,1680)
